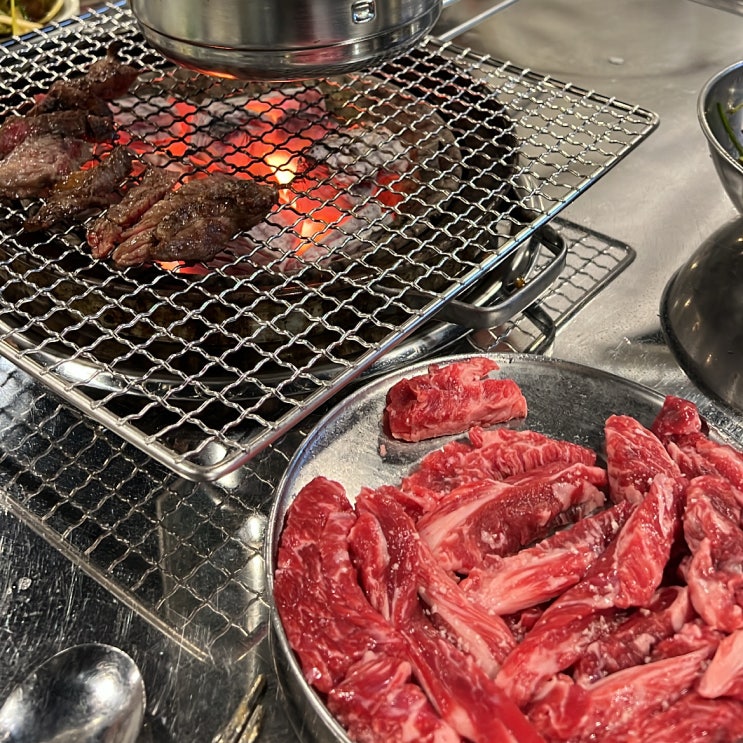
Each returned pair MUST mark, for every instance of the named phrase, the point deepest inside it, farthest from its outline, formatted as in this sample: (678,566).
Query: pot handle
(478,318)
(470,23)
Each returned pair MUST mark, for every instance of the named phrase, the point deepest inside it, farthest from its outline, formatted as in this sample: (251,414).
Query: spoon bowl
(90,693)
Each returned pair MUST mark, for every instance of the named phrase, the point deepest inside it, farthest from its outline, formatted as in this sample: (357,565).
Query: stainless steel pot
(283,39)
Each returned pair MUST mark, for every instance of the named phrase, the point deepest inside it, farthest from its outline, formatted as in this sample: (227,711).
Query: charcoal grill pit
(269,295)
(277,333)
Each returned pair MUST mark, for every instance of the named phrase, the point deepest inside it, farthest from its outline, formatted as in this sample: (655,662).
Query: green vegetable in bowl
(22,16)
(724,116)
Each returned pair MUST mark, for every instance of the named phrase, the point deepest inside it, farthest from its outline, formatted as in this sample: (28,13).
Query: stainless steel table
(663,200)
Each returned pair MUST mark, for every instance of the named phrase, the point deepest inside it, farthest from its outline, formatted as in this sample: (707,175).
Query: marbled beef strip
(450,399)
(500,517)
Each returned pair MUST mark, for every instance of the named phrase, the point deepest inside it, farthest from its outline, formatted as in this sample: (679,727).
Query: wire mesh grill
(187,555)
(399,190)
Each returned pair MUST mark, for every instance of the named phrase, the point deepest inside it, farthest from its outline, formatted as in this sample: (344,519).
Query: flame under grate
(398,192)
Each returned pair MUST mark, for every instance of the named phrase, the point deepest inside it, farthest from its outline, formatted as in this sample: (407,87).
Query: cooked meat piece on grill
(106,232)
(77,124)
(105,80)
(39,163)
(195,222)
(93,188)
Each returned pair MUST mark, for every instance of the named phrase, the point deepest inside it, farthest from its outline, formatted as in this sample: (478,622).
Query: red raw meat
(713,573)
(464,695)
(450,399)
(411,571)
(694,635)
(327,619)
(506,585)
(644,544)
(491,455)
(377,701)
(560,709)
(498,518)
(369,554)
(680,427)
(626,574)
(554,645)
(723,677)
(455,682)
(692,719)
(677,417)
(608,709)
(698,455)
(708,499)
(631,643)
(634,456)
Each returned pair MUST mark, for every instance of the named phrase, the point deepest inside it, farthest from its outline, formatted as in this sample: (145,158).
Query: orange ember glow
(309,203)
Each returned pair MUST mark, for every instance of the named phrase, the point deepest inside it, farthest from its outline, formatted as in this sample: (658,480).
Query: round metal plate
(565,400)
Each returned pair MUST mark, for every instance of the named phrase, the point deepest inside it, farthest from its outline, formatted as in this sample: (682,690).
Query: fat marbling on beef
(498,517)
(450,399)
(491,454)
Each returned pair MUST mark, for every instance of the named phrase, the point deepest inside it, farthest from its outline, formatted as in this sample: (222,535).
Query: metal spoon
(89,693)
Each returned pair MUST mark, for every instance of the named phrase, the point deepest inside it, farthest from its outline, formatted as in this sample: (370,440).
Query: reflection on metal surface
(567,137)
(184,556)
(86,693)
(702,315)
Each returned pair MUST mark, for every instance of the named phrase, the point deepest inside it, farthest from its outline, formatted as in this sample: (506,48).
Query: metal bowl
(721,118)
(702,315)
(701,309)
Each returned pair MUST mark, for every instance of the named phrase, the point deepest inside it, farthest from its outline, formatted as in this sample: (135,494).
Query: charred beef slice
(195,222)
(107,231)
(93,188)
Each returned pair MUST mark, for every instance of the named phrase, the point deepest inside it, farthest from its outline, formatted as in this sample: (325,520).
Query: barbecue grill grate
(189,556)
(204,370)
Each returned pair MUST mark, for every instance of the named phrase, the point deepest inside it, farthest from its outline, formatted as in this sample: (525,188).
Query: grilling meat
(105,80)
(45,146)
(93,188)
(78,124)
(107,231)
(196,221)
(39,163)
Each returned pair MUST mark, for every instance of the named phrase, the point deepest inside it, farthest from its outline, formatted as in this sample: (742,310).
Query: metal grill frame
(568,138)
(188,557)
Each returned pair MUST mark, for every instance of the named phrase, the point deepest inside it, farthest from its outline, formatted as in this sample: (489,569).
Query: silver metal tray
(565,400)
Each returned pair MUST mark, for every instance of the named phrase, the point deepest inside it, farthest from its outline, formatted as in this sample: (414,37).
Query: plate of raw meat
(510,548)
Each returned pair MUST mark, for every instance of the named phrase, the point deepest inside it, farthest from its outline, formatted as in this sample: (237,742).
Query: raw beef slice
(450,399)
